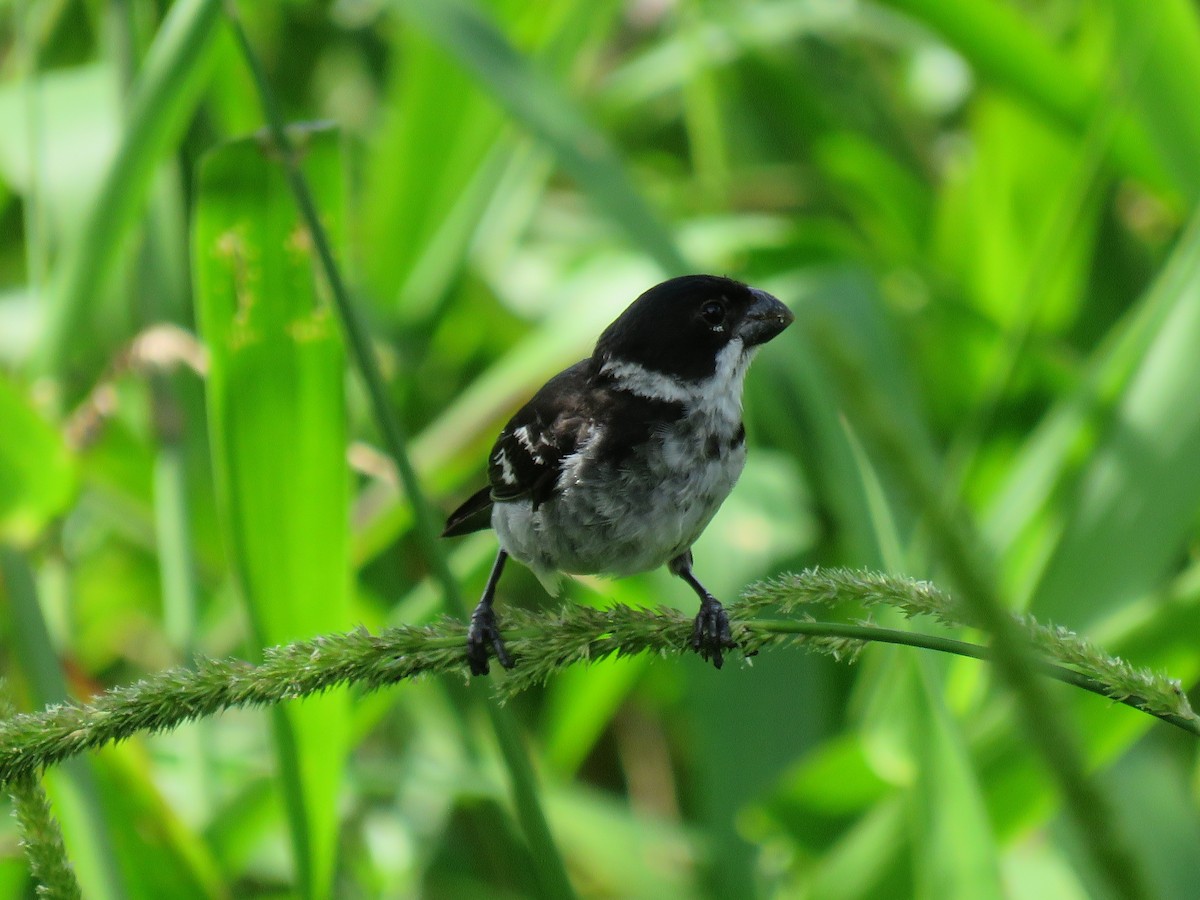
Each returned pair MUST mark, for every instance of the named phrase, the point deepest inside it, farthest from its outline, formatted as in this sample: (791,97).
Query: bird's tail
(474,515)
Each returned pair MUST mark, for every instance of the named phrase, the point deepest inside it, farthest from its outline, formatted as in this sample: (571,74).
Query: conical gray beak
(765,318)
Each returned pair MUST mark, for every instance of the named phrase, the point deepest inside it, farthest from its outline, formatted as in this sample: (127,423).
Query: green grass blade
(162,100)
(955,851)
(1137,494)
(278,422)
(537,103)
(42,842)
(41,837)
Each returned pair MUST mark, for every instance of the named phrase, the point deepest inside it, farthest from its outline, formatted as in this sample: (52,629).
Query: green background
(982,213)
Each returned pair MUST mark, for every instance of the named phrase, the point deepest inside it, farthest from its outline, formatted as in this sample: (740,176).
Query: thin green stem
(38,662)
(871,633)
(41,838)
(551,870)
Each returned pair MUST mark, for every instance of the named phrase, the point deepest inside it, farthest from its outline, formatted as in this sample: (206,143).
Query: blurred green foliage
(988,206)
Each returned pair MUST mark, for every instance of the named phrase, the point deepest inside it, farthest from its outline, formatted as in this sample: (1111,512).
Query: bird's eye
(713,313)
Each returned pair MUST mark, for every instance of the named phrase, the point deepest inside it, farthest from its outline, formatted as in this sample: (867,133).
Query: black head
(678,327)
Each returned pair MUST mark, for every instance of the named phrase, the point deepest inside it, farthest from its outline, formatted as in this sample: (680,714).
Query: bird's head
(679,328)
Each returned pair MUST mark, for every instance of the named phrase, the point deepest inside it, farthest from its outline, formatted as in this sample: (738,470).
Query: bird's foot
(482,635)
(711,634)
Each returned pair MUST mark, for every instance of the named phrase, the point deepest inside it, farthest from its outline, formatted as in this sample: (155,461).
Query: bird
(619,462)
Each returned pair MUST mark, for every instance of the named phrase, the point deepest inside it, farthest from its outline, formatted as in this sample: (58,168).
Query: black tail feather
(474,515)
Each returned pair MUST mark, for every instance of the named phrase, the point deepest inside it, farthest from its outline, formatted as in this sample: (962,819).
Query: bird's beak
(765,318)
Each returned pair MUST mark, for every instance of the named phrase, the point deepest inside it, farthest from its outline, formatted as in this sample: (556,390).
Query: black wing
(526,459)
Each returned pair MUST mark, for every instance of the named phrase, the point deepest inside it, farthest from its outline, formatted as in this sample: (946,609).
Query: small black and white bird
(619,463)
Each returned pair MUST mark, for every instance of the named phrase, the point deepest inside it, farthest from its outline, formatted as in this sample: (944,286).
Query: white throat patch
(718,396)
(637,379)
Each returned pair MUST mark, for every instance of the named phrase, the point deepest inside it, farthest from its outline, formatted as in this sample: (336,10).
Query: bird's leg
(710,634)
(483,633)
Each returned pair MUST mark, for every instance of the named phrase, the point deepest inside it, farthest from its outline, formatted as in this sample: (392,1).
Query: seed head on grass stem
(545,642)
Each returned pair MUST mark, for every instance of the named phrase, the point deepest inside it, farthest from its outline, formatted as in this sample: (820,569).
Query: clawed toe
(711,633)
(482,636)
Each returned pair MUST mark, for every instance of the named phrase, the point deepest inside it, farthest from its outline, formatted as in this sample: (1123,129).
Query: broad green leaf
(1036,869)
(1015,236)
(1158,798)
(278,423)
(160,855)
(1024,521)
(889,202)
(954,851)
(888,700)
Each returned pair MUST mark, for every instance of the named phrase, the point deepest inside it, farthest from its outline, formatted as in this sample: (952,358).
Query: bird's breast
(618,514)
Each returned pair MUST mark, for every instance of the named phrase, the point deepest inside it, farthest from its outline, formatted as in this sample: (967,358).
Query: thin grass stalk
(41,838)
(39,663)
(551,870)
(542,643)
(42,843)
(36,250)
